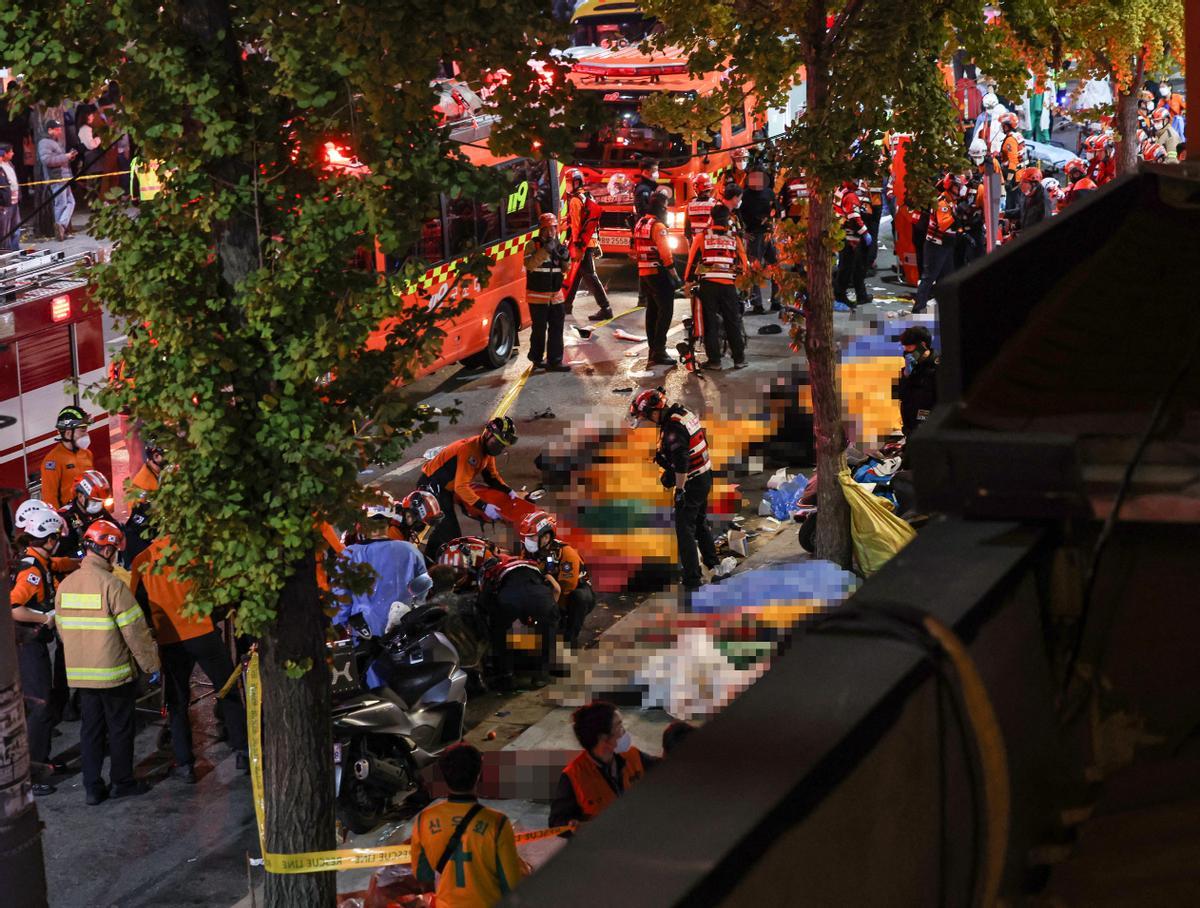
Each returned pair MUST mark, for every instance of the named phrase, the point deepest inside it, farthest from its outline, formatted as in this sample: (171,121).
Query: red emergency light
(60,308)
(632,70)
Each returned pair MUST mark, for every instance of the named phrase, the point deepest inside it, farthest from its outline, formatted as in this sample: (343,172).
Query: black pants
(515,602)
(586,275)
(939,261)
(692,529)
(660,309)
(872,221)
(851,269)
(107,716)
(445,529)
(576,607)
(178,660)
(36,684)
(722,307)
(546,336)
(60,691)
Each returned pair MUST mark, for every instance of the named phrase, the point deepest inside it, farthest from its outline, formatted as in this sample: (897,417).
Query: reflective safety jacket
(60,469)
(1010,155)
(716,255)
(650,246)
(682,442)
(941,220)
(495,572)
(458,465)
(568,570)
(102,627)
(143,483)
(583,216)
(484,867)
(165,597)
(1102,172)
(593,791)
(699,216)
(852,218)
(544,267)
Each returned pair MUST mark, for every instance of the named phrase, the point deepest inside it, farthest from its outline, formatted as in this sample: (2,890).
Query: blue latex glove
(868,240)
(154,678)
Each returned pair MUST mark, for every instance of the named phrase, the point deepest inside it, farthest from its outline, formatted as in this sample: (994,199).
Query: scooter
(383,737)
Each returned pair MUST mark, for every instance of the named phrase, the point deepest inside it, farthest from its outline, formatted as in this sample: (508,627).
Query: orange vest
(699,214)
(592,791)
(718,256)
(645,246)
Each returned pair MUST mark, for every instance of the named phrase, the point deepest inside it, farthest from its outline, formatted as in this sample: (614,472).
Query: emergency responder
(185,642)
(644,189)
(872,195)
(583,219)
(715,260)
(1150,150)
(450,474)
(39,529)
(852,259)
(939,241)
(104,632)
(1034,209)
(1079,184)
(561,561)
(67,460)
(91,502)
(758,203)
(1165,134)
(969,212)
(517,589)
(419,514)
(698,215)
(1010,162)
(546,262)
(683,455)
(657,277)
(916,388)
(468,556)
(608,766)
(469,850)
(1102,163)
(139,532)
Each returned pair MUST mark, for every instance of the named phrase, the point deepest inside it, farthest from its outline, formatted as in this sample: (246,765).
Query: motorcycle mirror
(535,494)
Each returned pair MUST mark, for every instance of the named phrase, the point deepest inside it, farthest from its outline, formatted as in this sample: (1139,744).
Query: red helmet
(535,523)
(646,401)
(1075,169)
(1009,119)
(1161,117)
(1029,175)
(574,177)
(102,533)
(1153,151)
(423,505)
(547,219)
(949,183)
(702,182)
(470,553)
(95,487)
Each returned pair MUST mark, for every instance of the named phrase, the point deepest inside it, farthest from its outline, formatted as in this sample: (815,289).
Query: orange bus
(610,157)
(485,334)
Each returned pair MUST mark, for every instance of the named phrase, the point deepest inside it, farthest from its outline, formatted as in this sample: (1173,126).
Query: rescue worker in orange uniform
(92,501)
(561,562)
(939,241)
(39,529)
(139,532)
(608,766)
(145,480)
(584,245)
(546,262)
(716,259)
(698,215)
(419,514)
(449,476)
(657,277)
(1102,163)
(1079,184)
(852,259)
(67,460)
(1010,163)
(469,850)
(185,642)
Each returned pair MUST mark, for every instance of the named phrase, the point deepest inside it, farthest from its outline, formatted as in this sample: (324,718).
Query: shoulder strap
(456,838)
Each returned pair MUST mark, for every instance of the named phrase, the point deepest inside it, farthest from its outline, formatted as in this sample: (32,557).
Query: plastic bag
(785,499)
(878,534)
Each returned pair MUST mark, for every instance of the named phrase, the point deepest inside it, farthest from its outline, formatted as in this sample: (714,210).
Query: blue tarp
(776,583)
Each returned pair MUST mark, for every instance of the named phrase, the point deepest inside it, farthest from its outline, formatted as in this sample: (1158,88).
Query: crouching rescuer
(561,562)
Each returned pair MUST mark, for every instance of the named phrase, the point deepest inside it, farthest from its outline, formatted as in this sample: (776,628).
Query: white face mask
(94,507)
(531,545)
(741,165)
(623,743)
(84,442)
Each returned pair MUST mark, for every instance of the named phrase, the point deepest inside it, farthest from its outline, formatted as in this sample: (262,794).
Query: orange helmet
(1029,175)
(574,177)
(422,505)
(95,489)
(102,533)
(532,526)
(547,219)
(1009,119)
(1161,117)
(702,182)
(468,553)
(1075,169)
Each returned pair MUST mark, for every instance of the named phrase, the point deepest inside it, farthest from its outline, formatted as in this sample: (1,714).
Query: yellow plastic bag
(878,534)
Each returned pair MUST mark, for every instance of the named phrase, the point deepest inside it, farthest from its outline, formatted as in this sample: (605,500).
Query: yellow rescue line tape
(617,316)
(317,861)
(228,685)
(90,176)
(511,395)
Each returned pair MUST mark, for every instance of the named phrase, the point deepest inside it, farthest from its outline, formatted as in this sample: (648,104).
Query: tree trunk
(21,866)
(1127,120)
(297,743)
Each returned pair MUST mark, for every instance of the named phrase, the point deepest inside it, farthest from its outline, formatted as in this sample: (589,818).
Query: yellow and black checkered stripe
(439,274)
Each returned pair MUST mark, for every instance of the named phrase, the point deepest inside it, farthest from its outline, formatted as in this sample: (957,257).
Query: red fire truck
(51,350)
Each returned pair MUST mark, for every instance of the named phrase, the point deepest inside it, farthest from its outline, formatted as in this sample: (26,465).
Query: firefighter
(1102,163)
(139,531)
(104,632)
(92,501)
(515,589)
(852,260)
(657,277)
(939,241)
(186,641)
(583,220)
(561,561)
(683,455)
(67,460)
(1165,134)
(1149,150)
(1079,184)
(604,770)
(546,262)
(419,514)
(459,831)
(468,556)
(698,216)
(449,476)
(1034,208)
(1054,194)
(145,481)
(969,211)
(1010,163)
(644,189)
(39,530)
(715,260)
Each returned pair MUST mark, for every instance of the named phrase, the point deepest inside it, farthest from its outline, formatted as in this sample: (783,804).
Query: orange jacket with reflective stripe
(458,465)
(650,245)
(60,469)
(716,255)
(167,597)
(592,791)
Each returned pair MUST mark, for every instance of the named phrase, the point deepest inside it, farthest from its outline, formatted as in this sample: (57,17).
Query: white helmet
(28,512)
(1050,185)
(45,522)
(990,101)
(381,512)
(978,150)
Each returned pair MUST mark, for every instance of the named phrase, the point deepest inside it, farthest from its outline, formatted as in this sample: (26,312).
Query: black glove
(661,459)
(667,479)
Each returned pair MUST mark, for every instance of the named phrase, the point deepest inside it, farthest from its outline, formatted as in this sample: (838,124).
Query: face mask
(741,165)
(1164,91)
(531,545)
(623,743)
(94,507)
(83,443)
